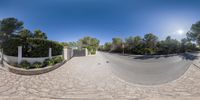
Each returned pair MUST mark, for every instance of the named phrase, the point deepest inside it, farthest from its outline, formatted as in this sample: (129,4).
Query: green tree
(116,45)
(107,46)
(64,44)
(8,26)
(25,33)
(150,43)
(134,44)
(39,34)
(129,44)
(194,33)
(187,45)
(90,43)
(73,44)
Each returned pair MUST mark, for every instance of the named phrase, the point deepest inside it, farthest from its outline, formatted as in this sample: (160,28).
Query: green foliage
(11,46)
(116,45)
(194,33)
(37,65)
(39,34)
(25,33)
(64,44)
(90,43)
(134,44)
(73,44)
(25,64)
(9,26)
(57,59)
(48,62)
(150,45)
(168,46)
(54,60)
(107,46)
(32,48)
(101,48)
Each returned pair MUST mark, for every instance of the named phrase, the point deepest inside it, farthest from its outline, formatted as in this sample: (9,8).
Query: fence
(68,53)
(77,52)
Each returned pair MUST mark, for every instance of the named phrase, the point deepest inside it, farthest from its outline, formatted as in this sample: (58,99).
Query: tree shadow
(145,57)
(187,56)
(184,56)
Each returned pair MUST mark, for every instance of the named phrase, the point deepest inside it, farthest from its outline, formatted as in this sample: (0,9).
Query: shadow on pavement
(185,56)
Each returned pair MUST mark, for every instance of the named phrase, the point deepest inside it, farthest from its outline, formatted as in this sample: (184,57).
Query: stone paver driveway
(91,78)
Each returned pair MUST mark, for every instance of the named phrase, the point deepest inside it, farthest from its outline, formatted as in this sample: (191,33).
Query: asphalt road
(149,70)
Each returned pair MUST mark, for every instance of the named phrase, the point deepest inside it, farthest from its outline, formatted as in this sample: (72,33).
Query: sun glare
(180,32)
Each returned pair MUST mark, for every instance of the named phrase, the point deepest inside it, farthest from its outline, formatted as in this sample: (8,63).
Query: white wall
(12,59)
(67,53)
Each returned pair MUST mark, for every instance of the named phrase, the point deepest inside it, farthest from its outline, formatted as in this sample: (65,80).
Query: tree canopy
(39,34)
(90,43)
(10,25)
(25,33)
(194,33)
(150,44)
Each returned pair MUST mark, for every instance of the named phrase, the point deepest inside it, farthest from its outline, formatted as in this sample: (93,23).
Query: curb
(32,71)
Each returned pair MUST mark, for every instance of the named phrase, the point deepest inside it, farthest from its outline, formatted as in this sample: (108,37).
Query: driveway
(150,70)
(93,77)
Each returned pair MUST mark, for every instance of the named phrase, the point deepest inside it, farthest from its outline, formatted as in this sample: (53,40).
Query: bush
(32,47)
(10,47)
(37,65)
(93,52)
(48,62)
(25,64)
(58,59)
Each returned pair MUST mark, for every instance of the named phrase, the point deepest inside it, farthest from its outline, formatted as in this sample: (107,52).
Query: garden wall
(13,60)
(67,53)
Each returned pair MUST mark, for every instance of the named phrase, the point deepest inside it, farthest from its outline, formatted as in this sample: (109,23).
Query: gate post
(50,53)
(86,52)
(1,54)
(19,59)
(65,54)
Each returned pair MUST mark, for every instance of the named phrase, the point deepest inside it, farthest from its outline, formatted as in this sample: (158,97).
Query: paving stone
(85,78)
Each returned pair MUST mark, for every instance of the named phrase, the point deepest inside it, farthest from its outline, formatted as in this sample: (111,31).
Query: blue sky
(70,20)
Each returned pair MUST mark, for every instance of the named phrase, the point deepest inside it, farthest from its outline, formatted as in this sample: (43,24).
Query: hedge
(32,47)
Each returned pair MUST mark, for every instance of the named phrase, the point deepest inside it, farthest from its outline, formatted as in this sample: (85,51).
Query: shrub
(33,47)
(25,64)
(37,65)
(48,62)
(10,47)
(58,59)
(93,52)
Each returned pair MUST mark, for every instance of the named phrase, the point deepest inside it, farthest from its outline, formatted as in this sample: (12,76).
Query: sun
(180,31)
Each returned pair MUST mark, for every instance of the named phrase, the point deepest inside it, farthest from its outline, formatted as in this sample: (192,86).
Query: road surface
(92,78)
(149,70)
